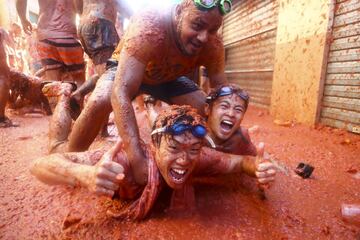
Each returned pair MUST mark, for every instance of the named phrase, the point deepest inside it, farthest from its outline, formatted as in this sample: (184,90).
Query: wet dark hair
(175,114)
(214,94)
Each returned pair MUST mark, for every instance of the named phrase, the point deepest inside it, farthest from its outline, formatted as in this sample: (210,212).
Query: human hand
(106,175)
(265,171)
(27,27)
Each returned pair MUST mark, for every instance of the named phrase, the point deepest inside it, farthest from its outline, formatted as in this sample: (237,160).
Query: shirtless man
(58,46)
(156,53)
(174,157)
(225,110)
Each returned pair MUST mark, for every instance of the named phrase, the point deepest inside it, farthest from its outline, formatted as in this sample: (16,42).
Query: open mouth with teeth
(178,175)
(226,125)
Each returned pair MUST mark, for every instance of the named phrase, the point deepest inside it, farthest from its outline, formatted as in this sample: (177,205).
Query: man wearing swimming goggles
(158,55)
(225,110)
(157,51)
(175,155)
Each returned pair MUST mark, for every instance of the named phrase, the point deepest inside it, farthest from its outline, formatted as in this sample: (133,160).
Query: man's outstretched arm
(128,79)
(21,10)
(223,163)
(74,169)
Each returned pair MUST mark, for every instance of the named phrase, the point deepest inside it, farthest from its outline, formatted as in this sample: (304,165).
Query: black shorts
(164,91)
(168,90)
(99,39)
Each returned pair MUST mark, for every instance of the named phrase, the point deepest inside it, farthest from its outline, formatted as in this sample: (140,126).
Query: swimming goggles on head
(198,131)
(224,5)
(228,90)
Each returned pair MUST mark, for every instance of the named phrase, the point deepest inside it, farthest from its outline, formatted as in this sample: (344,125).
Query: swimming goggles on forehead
(227,90)
(198,131)
(224,5)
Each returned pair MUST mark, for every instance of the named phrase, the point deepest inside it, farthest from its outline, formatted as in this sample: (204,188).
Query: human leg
(99,39)
(96,110)
(182,91)
(60,123)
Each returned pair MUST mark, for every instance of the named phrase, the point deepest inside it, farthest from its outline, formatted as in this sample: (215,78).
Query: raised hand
(107,175)
(265,171)
(27,27)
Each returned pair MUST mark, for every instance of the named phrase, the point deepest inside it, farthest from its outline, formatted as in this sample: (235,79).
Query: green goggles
(224,5)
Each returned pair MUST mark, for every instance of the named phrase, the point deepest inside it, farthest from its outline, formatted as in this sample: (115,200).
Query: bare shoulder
(146,35)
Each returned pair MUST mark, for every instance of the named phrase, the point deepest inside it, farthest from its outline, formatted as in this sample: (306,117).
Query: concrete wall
(300,59)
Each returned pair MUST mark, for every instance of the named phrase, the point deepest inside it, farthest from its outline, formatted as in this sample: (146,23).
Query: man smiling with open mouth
(177,153)
(225,111)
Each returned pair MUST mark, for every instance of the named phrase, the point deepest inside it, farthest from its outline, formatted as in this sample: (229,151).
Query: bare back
(106,9)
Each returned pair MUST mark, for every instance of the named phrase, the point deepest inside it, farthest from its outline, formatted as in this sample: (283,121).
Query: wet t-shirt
(150,39)
(57,19)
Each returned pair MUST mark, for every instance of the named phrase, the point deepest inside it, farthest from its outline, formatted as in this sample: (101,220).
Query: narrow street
(228,207)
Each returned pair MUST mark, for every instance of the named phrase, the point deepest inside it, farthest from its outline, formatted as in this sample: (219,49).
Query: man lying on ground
(158,49)
(225,110)
(174,157)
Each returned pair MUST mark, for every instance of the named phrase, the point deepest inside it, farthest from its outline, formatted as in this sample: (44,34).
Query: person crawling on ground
(26,91)
(176,154)
(225,110)
(158,55)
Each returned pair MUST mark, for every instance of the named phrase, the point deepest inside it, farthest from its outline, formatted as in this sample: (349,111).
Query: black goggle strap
(164,129)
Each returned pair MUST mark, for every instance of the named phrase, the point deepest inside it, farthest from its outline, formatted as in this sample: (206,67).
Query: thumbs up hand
(265,171)
(106,175)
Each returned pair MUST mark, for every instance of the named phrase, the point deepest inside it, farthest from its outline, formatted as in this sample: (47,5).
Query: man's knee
(99,102)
